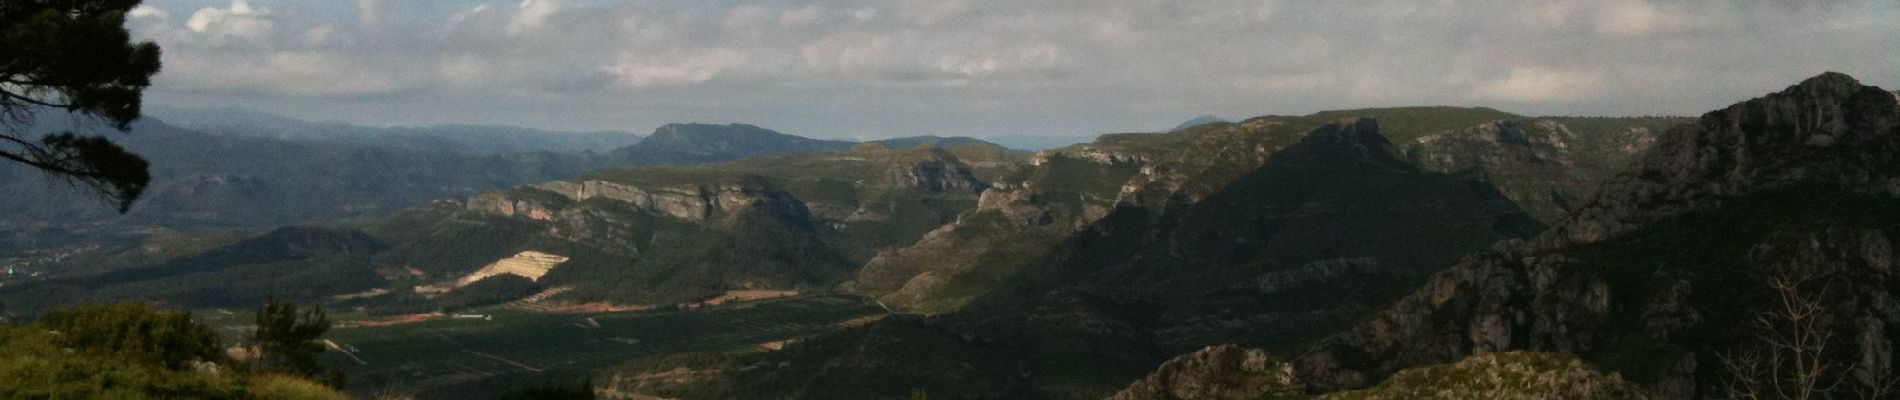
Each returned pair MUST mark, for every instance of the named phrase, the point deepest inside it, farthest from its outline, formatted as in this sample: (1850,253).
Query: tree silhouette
(76,57)
(286,340)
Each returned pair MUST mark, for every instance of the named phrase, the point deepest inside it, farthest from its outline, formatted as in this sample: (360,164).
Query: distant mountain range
(477,139)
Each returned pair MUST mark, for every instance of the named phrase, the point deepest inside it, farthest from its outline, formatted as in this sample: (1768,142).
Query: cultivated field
(455,357)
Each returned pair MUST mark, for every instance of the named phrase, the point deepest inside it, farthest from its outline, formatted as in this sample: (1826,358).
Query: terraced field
(472,357)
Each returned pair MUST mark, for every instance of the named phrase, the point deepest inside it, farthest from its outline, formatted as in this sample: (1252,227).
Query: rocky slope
(1224,372)
(1230,372)
(1546,165)
(1539,163)
(1780,200)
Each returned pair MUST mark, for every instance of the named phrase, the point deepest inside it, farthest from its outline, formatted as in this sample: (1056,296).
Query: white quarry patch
(527,264)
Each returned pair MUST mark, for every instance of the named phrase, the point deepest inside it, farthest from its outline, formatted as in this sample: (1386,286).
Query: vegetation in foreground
(134,351)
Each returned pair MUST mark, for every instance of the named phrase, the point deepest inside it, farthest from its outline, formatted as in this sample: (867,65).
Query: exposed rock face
(1091,153)
(1228,372)
(1501,376)
(693,202)
(938,175)
(1225,372)
(505,204)
(1827,130)
(1659,274)
(1016,203)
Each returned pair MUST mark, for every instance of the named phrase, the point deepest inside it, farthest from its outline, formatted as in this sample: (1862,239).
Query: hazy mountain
(1037,142)
(702,143)
(485,139)
(1197,121)
(1659,274)
(939,141)
(203,180)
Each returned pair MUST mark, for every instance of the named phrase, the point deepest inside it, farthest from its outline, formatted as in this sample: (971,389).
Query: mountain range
(1368,253)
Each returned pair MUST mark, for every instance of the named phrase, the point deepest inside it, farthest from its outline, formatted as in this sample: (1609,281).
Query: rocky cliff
(696,202)
(1684,270)
(1224,372)
(1230,372)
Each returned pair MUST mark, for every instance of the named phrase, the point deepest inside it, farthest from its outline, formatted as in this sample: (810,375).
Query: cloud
(237,22)
(1540,85)
(149,12)
(531,14)
(634,70)
(991,66)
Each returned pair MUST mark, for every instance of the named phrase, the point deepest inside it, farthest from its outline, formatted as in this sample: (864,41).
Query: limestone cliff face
(1015,203)
(1094,153)
(560,204)
(1224,372)
(938,174)
(1658,275)
(1827,130)
(690,202)
(505,204)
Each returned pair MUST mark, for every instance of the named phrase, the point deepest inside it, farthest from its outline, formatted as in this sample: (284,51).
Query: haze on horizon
(876,69)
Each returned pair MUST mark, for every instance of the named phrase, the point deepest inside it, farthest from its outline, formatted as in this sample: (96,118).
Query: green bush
(130,351)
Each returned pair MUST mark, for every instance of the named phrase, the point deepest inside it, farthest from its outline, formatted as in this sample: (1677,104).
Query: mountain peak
(1831,81)
(696,142)
(1791,185)
(1345,142)
(1198,121)
(1827,130)
(694,128)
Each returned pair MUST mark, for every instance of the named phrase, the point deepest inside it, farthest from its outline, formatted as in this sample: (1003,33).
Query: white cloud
(1630,18)
(531,14)
(1540,85)
(149,12)
(237,22)
(989,66)
(636,71)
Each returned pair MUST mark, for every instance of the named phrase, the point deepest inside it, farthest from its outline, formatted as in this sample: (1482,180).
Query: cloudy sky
(869,69)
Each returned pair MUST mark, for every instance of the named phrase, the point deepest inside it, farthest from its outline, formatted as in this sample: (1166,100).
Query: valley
(1016,260)
(949,200)
(484,349)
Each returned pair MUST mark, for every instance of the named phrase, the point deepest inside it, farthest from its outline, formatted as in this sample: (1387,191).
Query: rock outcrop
(1828,130)
(1784,198)
(938,174)
(1225,372)
(690,202)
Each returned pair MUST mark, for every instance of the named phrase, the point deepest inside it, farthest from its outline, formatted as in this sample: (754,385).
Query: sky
(874,69)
